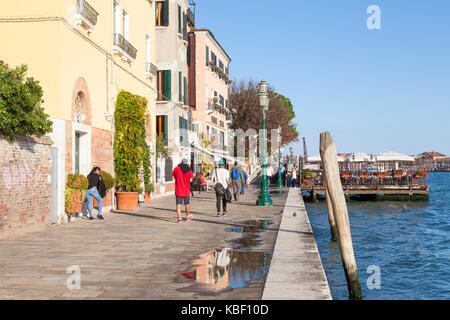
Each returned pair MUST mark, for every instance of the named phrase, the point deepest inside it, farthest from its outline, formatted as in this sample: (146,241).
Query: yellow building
(83,53)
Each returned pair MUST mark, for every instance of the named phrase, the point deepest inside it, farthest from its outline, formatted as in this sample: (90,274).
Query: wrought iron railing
(87,11)
(122,43)
(356,179)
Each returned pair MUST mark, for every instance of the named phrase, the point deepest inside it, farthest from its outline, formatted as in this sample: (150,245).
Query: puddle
(233,267)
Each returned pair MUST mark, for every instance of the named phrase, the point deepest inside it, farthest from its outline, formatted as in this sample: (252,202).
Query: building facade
(174,18)
(426,160)
(83,53)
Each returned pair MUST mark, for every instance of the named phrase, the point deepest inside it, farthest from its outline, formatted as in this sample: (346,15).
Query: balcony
(86,15)
(214,106)
(124,48)
(150,70)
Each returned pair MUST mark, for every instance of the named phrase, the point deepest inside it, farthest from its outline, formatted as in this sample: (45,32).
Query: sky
(374,90)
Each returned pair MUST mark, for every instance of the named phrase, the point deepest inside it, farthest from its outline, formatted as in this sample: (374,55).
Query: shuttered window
(162,13)
(185,91)
(180,88)
(179,19)
(184,26)
(163,85)
(162,127)
(207,56)
(183,126)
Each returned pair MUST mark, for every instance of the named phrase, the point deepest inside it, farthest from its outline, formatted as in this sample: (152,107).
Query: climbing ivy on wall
(131,152)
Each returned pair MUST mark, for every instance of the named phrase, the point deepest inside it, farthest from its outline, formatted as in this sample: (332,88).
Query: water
(408,241)
(233,267)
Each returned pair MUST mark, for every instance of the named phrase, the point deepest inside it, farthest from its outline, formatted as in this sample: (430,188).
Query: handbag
(220,190)
(228,195)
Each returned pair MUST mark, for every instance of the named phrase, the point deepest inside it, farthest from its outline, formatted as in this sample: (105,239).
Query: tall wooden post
(337,199)
(331,219)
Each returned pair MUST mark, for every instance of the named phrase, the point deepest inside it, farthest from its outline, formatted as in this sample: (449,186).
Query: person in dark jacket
(95,183)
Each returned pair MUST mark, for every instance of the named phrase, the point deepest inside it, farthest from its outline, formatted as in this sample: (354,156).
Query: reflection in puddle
(231,268)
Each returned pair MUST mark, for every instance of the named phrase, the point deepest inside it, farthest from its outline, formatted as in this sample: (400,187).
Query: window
(180,88)
(162,13)
(184,26)
(207,56)
(126,25)
(116,18)
(179,19)
(222,138)
(163,85)
(168,169)
(185,91)
(221,67)
(162,127)
(183,126)
(195,127)
(221,101)
(207,131)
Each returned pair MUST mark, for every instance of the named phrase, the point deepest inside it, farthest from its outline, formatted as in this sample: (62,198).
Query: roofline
(213,37)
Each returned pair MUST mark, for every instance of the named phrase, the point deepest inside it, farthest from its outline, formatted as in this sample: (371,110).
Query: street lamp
(264,199)
(280,183)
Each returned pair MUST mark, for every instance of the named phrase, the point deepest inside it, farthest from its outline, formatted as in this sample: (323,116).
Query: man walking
(220,177)
(236,177)
(183,178)
(244,181)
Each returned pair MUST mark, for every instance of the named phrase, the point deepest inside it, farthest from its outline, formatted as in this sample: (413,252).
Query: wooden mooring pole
(336,196)
(331,219)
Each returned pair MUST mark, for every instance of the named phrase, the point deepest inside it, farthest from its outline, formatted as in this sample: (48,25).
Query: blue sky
(374,90)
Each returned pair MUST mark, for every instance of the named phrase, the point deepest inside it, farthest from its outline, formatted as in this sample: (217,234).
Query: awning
(394,156)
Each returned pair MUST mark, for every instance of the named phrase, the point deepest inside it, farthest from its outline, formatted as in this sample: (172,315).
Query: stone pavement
(130,255)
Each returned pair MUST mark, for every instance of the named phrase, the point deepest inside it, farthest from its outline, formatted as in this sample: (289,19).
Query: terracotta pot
(127,200)
(147,198)
(77,204)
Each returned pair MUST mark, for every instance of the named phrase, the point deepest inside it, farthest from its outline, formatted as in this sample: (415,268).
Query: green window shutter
(185,91)
(188,54)
(207,56)
(184,26)
(179,19)
(168,84)
(166,13)
(180,96)
(166,129)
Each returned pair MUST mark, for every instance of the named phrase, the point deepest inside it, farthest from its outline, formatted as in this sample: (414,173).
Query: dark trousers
(223,200)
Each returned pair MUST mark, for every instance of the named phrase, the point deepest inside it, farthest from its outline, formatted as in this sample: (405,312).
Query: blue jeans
(93,192)
(243,188)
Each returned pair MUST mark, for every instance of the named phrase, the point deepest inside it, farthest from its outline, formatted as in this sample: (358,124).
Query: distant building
(426,161)
(442,164)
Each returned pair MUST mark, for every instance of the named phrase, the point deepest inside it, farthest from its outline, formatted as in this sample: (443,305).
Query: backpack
(102,188)
(235,173)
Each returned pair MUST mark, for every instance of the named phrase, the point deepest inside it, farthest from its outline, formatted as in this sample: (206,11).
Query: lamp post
(280,183)
(264,199)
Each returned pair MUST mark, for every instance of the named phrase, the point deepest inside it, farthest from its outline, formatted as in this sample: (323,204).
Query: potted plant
(109,181)
(380,174)
(229,81)
(364,174)
(148,191)
(398,173)
(421,174)
(345,175)
(218,70)
(215,99)
(211,63)
(75,193)
(130,148)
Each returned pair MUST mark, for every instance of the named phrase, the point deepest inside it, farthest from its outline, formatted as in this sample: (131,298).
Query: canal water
(408,241)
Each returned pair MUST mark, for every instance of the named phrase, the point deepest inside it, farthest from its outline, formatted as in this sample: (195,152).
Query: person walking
(269,173)
(220,177)
(96,184)
(294,177)
(236,177)
(283,175)
(244,181)
(183,178)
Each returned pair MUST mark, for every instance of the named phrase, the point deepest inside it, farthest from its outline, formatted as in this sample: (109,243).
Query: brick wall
(25,168)
(102,153)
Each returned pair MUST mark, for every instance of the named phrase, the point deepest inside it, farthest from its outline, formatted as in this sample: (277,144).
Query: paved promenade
(133,255)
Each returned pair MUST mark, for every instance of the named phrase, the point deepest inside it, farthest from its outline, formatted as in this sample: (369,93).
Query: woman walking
(95,184)
(294,177)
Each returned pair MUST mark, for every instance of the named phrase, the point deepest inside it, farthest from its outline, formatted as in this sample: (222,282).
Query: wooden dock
(372,190)
(296,271)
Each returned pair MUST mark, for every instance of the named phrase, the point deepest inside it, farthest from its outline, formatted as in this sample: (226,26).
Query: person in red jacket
(183,177)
